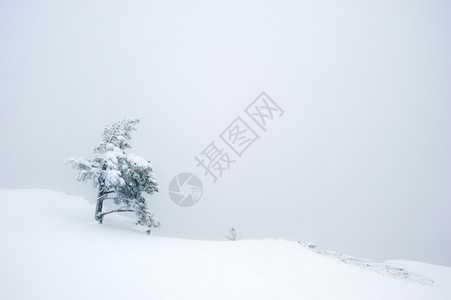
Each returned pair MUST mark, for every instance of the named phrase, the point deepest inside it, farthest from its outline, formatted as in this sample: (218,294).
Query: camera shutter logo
(185,189)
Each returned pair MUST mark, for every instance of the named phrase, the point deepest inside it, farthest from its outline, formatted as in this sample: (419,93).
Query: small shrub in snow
(233,235)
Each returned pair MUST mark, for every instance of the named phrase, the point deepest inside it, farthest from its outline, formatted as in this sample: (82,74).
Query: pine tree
(119,176)
(233,235)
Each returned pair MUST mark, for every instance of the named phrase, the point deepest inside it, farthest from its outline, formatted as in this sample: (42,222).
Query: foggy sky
(359,163)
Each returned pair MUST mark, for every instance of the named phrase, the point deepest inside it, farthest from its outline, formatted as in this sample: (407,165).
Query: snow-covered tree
(233,235)
(118,175)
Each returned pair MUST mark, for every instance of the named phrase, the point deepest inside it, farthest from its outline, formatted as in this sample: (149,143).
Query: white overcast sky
(359,163)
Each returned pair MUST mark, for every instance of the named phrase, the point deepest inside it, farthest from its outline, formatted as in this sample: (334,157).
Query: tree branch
(114,211)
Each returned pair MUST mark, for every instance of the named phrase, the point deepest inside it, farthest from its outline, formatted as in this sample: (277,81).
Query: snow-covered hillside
(52,249)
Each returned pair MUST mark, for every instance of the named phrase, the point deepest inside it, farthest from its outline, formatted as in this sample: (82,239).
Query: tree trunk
(103,193)
(99,205)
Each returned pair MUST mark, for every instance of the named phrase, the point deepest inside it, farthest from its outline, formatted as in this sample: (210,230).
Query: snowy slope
(52,249)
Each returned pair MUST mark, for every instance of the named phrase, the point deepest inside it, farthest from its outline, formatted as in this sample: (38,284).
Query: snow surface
(391,269)
(52,249)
